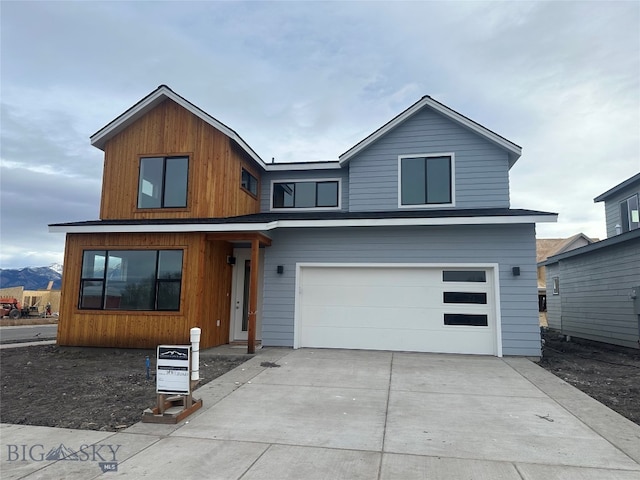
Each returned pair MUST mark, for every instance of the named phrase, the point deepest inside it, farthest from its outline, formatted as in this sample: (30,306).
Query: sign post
(173,386)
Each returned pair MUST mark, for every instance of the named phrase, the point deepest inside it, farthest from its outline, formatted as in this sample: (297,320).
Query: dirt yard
(89,388)
(607,373)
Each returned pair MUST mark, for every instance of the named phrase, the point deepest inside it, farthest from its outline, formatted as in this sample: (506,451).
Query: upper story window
(249,182)
(426,180)
(306,194)
(629,214)
(131,280)
(163,182)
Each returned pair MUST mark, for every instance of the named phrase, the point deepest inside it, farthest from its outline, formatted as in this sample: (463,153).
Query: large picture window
(306,194)
(163,182)
(131,280)
(629,214)
(426,180)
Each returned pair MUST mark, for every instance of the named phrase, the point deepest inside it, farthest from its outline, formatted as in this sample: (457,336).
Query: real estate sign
(173,369)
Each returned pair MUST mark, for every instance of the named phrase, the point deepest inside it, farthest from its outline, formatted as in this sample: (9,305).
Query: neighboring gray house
(593,292)
(405,242)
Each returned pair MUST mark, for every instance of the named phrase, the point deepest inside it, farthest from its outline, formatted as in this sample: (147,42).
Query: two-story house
(593,292)
(405,242)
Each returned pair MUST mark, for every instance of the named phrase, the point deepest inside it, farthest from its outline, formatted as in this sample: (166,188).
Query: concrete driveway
(329,414)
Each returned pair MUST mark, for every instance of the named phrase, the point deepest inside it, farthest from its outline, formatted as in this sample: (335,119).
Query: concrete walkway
(330,414)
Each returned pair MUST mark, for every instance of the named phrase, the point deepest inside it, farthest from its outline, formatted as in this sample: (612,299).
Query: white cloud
(306,81)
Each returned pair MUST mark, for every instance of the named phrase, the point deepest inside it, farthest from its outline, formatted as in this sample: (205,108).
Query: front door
(240,307)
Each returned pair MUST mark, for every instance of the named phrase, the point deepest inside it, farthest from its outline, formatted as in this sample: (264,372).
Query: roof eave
(534,217)
(608,242)
(621,186)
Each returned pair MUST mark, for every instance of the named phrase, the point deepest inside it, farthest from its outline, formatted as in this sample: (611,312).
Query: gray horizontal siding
(481,174)
(507,245)
(553,301)
(612,208)
(268,177)
(594,294)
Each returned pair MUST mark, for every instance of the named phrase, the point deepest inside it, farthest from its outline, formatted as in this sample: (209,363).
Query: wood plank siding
(204,299)
(215,166)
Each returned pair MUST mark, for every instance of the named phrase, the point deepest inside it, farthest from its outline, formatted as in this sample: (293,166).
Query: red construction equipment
(10,306)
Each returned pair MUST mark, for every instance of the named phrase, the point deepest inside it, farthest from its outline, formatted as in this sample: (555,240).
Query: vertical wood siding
(507,245)
(206,286)
(215,165)
(482,171)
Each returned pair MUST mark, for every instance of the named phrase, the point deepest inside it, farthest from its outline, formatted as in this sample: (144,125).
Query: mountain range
(32,278)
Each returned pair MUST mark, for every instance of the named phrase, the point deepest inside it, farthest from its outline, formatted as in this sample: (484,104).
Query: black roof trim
(621,186)
(274,216)
(609,242)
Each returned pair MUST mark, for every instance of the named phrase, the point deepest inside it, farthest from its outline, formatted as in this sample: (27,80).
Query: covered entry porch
(245,283)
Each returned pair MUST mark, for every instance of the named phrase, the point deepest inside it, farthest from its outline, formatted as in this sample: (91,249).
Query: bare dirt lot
(607,373)
(86,388)
(107,389)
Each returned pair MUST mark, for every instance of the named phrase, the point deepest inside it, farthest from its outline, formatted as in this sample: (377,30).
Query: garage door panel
(368,276)
(395,308)
(371,295)
(329,316)
(404,340)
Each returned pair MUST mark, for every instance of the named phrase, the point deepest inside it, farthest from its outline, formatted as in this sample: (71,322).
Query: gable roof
(163,92)
(514,151)
(621,186)
(548,247)
(148,103)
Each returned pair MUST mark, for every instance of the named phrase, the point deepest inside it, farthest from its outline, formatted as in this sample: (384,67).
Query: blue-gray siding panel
(268,177)
(507,245)
(612,208)
(481,174)
(594,300)
(553,301)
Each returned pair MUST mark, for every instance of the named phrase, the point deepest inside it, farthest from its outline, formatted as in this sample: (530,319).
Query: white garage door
(423,309)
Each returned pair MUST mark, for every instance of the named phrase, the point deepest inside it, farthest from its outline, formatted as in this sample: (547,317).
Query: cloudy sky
(306,81)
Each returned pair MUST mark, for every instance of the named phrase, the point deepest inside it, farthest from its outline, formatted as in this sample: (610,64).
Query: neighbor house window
(556,285)
(306,194)
(249,182)
(426,180)
(629,214)
(131,280)
(163,182)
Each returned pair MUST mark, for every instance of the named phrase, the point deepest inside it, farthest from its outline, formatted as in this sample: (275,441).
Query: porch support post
(253,295)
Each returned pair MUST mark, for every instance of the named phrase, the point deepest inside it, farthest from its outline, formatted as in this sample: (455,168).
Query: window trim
(452,156)
(251,174)
(164,157)
(555,285)
(625,223)
(104,282)
(304,180)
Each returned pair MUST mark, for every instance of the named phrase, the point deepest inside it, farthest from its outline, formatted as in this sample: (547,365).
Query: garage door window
(464,276)
(466,319)
(477,298)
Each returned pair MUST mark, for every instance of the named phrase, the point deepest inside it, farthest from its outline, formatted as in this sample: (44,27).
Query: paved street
(28,333)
